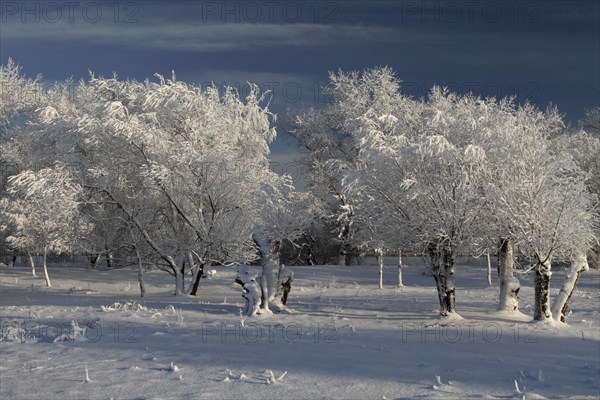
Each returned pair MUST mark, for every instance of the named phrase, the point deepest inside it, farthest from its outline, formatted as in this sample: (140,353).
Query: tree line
(177,177)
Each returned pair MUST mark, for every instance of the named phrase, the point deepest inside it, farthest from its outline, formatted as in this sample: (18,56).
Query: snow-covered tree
(196,158)
(539,194)
(43,209)
(283,215)
(584,146)
(460,173)
(326,135)
(19,96)
(419,164)
(591,122)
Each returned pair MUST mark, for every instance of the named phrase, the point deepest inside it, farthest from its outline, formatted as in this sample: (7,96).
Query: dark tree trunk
(443,267)
(140,271)
(542,291)
(182,271)
(286,287)
(109,259)
(197,280)
(449,280)
(342,257)
(436,268)
(94,259)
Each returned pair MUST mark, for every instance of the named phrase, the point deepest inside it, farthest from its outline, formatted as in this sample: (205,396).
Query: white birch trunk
(46,269)
(32,263)
(509,284)
(379,257)
(178,282)
(266,295)
(269,283)
(489,269)
(190,259)
(400,283)
(559,308)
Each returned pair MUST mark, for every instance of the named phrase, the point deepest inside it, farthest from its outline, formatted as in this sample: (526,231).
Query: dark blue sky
(544,51)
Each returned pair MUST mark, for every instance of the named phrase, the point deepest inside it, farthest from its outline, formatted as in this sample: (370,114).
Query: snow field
(91,336)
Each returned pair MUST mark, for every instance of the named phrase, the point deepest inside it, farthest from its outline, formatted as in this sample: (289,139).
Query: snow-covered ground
(345,339)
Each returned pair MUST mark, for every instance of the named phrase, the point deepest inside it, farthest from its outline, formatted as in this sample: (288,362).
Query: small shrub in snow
(271,379)
(13,332)
(76,333)
(173,368)
(127,306)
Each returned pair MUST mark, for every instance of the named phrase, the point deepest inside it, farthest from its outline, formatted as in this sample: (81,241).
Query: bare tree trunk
(109,259)
(509,284)
(140,264)
(449,275)
(438,276)
(352,258)
(178,283)
(199,274)
(379,257)
(32,263)
(345,250)
(140,272)
(182,277)
(179,274)
(270,278)
(561,302)
(489,269)
(264,290)
(252,292)
(269,283)
(169,259)
(286,286)
(46,269)
(94,259)
(443,266)
(342,258)
(400,283)
(542,290)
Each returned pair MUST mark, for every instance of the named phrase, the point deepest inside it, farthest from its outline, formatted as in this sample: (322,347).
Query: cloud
(205,37)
